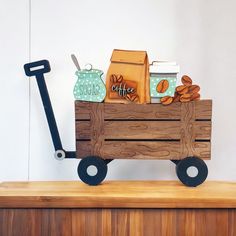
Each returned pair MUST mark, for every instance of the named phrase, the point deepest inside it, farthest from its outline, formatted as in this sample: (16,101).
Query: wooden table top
(117,194)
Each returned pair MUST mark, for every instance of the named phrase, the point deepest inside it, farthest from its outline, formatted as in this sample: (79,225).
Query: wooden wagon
(180,132)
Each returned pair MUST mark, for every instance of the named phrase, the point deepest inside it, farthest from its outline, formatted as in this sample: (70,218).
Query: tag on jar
(90,86)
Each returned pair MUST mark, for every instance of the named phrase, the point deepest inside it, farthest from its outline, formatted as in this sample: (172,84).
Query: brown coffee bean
(119,78)
(176,94)
(195,97)
(176,97)
(182,89)
(162,86)
(116,78)
(186,80)
(185,97)
(135,98)
(132,97)
(167,100)
(128,97)
(193,89)
(113,78)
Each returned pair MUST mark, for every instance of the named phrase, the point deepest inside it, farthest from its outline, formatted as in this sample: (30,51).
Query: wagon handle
(38,69)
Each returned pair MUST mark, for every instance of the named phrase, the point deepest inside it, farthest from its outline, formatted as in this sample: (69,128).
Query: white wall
(200,35)
(14,90)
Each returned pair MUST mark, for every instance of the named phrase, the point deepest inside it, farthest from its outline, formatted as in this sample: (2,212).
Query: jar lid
(89,71)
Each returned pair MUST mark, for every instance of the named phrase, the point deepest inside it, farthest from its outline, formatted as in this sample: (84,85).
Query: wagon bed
(147,131)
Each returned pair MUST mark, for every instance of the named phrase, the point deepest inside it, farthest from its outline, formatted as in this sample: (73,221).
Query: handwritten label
(122,89)
(85,89)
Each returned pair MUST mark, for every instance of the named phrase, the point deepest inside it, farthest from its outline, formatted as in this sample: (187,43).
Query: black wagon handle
(38,69)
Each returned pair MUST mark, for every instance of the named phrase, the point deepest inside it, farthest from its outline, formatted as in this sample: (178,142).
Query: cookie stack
(183,93)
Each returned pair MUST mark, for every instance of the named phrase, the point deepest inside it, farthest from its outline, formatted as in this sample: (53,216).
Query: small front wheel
(182,171)
(95,164)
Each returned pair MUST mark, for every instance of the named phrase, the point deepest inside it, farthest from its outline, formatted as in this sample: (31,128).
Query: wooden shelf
(117,208)
(117,194)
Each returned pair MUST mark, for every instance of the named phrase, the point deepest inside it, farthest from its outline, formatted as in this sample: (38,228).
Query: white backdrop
(200,35)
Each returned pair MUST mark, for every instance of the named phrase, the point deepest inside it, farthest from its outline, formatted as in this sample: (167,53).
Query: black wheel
(98,164)
(182,171)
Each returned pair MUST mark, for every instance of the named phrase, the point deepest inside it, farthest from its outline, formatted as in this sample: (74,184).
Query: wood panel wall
(118,222)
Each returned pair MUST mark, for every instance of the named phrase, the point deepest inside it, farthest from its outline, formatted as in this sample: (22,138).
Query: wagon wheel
(98,166)
(182,169)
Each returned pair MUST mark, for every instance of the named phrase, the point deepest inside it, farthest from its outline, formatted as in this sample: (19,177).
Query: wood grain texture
(147,131)
(15,222)
(119,222)
(202,130)
(83,149)
(97,128)
(187,129)
(202,150)
(83,129)
(141,150)
(82,110)
(143,130)
(203,109)
(56,222)
(149,150)
(117,194)
(143,111)
(168,222)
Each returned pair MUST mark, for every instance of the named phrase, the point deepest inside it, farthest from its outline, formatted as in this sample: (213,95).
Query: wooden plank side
(142,130)
(143,150)
(140,150)
(187,128)
(97,128)
(202,130)
(83,130)
(83,149)
(141,111)
(82,110)
(202,150)
(203,109)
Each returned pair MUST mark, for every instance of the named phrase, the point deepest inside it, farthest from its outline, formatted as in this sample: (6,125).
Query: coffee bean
(193,89)
(186,80)
(132,97)
(195,97)
(119,78)
(162,86)
(135,98)
(176,97)
(113,78)
(182,89)
(116,78)
(167,100)
(185,97)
